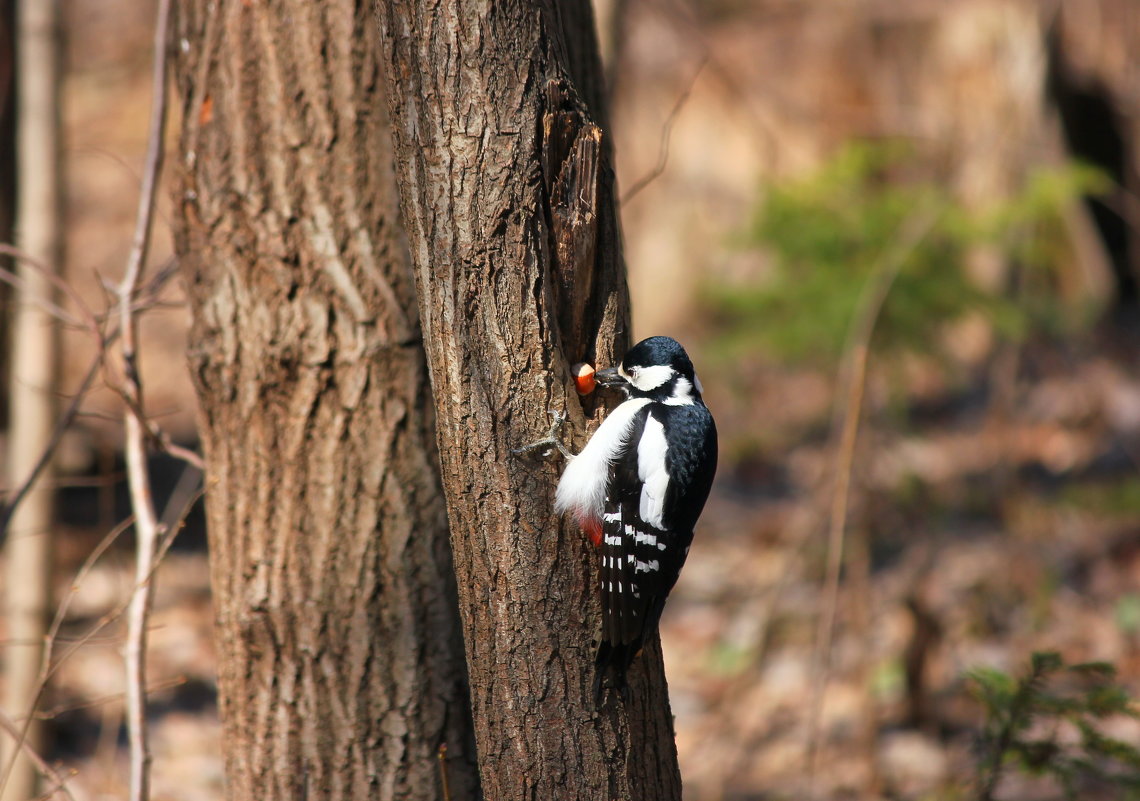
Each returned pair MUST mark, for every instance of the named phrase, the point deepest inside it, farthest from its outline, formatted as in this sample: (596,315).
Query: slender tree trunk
(34,364)
(9,182)
(339,648)
(508,200)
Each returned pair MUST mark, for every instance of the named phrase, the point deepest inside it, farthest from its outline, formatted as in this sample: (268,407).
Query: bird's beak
(610,378)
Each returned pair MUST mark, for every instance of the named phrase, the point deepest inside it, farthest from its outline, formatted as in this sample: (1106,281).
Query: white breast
(651,450)
(582,488)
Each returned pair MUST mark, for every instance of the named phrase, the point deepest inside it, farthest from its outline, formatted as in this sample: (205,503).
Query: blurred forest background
(924,216)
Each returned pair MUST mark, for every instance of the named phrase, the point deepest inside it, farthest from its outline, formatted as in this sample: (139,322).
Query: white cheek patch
(651,451)
(648,378)
(582,488)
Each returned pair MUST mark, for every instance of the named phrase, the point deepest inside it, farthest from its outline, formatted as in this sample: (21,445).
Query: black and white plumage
(641,483)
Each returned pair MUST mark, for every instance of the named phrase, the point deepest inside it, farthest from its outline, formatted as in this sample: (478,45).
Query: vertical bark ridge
(341,664)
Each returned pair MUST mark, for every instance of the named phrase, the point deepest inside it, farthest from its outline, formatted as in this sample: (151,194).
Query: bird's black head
(656,368)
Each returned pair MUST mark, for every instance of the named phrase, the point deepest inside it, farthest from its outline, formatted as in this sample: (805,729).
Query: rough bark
(340,657)
(507,195)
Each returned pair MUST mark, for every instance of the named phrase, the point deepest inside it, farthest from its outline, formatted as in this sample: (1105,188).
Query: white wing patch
(582,487)
(682,393)
(651,470)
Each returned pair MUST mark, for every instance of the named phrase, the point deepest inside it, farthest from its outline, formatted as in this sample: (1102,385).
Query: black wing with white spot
(640,560)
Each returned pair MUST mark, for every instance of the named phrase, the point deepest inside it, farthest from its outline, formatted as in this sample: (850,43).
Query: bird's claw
(551,439)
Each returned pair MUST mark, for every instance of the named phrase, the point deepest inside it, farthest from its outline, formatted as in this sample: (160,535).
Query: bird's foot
(551,439)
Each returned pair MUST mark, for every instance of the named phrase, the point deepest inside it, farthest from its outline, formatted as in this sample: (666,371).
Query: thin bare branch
(176,514)
(46,770)
(442,756)
(26,294)
(46,668)
(666,133)
(178,452)
(181,502)
(62,709)
(147,529)
(116,612)
(61,426)
(157,282)
(155,434)
(857,352)
(76,583)
(130,170)
(186,493)
(56,280)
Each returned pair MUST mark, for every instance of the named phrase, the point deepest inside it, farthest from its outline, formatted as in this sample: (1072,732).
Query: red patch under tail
(592,527)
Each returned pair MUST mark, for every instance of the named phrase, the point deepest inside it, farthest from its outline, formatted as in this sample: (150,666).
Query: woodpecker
(637,489)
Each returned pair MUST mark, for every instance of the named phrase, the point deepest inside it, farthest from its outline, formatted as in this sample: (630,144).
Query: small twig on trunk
(442,755)
(857,352)
(147,530)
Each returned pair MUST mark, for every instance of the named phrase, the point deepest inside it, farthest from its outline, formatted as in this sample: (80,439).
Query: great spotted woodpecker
(637,489)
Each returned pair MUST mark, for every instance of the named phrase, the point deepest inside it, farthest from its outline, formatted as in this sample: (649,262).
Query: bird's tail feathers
(611,667)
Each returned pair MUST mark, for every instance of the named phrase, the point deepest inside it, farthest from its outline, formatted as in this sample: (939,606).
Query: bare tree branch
(88,322)
(158,436)
(147,529)
(666,132)
(12,502)
(46,770)
(26,294)
(46,668)
(56,711)
(856,354)
(131,296)
(174,516)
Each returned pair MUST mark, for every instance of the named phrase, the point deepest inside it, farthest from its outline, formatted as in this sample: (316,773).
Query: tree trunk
(508,200)
(9,178)
(341,669)
(32,382)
